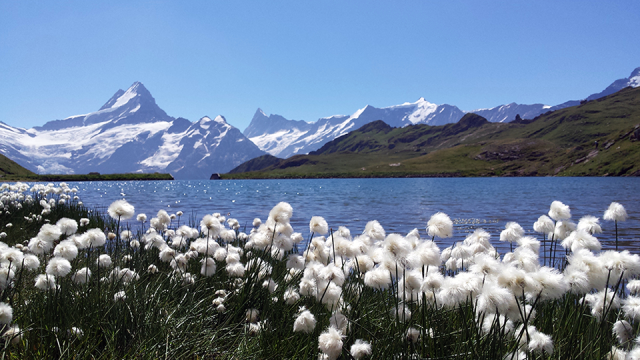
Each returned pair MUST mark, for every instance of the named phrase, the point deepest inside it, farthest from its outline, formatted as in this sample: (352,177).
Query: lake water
(400,205)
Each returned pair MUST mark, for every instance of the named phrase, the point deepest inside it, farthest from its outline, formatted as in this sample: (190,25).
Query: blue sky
(307,59)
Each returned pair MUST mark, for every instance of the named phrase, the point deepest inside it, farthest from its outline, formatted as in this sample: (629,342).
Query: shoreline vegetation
(78,283)
(10,171)
(266,176)
(86,177)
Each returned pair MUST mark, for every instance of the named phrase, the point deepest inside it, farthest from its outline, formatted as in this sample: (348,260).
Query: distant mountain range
(595,138)
(130,133)
(283,138)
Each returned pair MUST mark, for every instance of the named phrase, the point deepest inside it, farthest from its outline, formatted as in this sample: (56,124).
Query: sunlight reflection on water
(400,205)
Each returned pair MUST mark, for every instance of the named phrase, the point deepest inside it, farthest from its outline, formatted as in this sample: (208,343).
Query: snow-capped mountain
(506,113)
(283,138)
(130,133)
(633,80)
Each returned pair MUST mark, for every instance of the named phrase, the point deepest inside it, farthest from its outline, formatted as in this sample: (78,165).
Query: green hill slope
(595,138)
(9,168)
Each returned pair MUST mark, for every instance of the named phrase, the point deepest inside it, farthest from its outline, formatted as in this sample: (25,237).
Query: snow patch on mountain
(126,97)
(166,153)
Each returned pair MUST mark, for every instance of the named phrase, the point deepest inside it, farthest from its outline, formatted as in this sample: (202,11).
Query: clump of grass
(212,291)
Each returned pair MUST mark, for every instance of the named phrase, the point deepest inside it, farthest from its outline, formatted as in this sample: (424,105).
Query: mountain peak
(205,122)
(221,120)
(120,98)
(360,111)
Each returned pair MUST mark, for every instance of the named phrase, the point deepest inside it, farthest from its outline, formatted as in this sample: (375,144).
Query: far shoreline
(87,177)
(399,176)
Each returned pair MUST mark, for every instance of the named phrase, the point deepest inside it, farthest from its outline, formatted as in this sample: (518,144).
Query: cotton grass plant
(157,288)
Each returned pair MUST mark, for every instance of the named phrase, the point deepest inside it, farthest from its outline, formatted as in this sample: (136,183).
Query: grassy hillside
(9,168)
(596,138)
(259,163)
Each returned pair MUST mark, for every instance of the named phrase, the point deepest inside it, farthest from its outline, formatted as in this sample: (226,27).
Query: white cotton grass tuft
(6,276)
(121,210)
(374,230)
(330,342)
(512,232)
(549,283)
(631,307)
(6,313)
(378,278)
(67,226)
(440,225)
(633,286)
(210,226)
(13,334)
(429,253)
(291,296)
(615,212)
(58,266)
(163,217)
(235,269)
(543,225)
(66,249)
(590,224)
(81,276)
(305,322)
(126,235)
(167,254)
(539,342)
(95,237)
(318,225)
(360,349)
(104,261)
(581,239)
(498,322)
(563,229)
(11,255)
(45,282)
(252,315)
(623,331)
(208,267)
(616,354)
(397,245)
(601,302)
(281,213)
(30,262)
(39,246)
(633,354)
(120,296)
(49,233)
(559,211)
(494,298)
